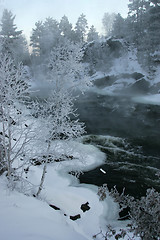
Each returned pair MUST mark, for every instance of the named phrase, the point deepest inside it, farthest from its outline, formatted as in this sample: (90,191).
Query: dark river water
(129,134)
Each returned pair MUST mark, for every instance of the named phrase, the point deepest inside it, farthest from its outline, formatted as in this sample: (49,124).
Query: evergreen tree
(144,30)
(36,38)
(45,36)
(13,40)
(92,34)
(138,20)
(154,27)
(52,35)
(8,31)
(66,28)
(119,26)
(108,21)
(81,28)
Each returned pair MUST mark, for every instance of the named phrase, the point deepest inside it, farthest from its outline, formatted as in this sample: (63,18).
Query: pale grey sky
(30,11)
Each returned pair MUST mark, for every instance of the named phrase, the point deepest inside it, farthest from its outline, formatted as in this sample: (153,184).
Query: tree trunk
(42,179)
(44,172)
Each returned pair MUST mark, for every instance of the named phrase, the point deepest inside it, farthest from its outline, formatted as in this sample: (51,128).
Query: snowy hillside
(25,217)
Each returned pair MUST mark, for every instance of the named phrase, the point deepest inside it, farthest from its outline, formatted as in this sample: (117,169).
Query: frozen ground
(25,217)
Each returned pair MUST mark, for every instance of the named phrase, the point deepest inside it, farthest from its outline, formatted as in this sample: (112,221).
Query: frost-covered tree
(59,117)
(153,27)
(45,36)
(144,214)
(108,21)
(137,17)
(143,29)
(14,131)
(36,38)
(9,29)
(119,26)
(92,34)
(52,35)
(13,40)
(66,70)
(81,28)
(66,73)
(66,28)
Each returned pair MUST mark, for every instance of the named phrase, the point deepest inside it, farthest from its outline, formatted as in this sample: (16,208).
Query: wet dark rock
(2,170)
(139,87)
(26,170)
(36,161)
(74,218)
(54,207)
(155,88)
(116,47)
(13,122)
(137,75)
(85,207)
(110,80)
(63,158)
(105,81)
(1,133)
(42,159)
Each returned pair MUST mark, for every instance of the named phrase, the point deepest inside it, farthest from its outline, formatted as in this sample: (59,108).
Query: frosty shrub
(15,133)
(144,214)
(102,192)
(59,118)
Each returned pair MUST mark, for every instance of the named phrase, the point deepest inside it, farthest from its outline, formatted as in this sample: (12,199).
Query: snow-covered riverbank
(27,218)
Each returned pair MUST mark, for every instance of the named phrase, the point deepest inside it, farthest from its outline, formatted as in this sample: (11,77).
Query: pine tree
(44,37)
(66,28)
(119,26)
(13,41)
(9,30)
(154,26)
(92,34)
(36,38)
(108,21)
(138,20)
(52,35)
(81,28)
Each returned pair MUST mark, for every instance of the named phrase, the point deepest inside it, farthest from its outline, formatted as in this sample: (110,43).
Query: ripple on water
(127,165)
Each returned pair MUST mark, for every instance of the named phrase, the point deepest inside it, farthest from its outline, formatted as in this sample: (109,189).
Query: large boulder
(105,81)
(139,87)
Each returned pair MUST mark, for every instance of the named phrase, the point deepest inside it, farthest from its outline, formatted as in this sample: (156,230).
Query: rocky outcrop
(84,207)
(139,87)
(133,84)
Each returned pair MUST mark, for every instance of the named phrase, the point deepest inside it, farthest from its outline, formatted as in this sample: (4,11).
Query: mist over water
(129,133)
